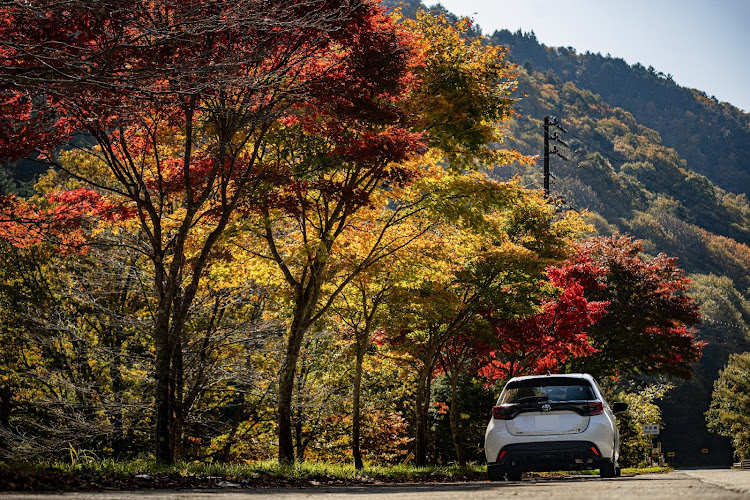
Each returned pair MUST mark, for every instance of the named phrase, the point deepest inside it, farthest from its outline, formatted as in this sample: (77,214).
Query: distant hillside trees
(713,136)
(729,414)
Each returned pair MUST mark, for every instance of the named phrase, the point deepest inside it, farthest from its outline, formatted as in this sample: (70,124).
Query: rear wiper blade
(533,399)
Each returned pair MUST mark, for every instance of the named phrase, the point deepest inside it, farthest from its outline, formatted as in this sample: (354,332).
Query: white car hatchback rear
(549,423)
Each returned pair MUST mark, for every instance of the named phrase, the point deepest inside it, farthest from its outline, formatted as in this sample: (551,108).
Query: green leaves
(729,414)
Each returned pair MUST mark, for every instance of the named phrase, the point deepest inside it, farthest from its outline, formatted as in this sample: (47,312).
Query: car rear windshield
(548,389)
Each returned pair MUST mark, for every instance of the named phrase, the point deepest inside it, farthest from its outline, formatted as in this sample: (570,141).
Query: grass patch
(629,471)
(91,474)
(646,470)
(273,469)
(267,471)
(297,470)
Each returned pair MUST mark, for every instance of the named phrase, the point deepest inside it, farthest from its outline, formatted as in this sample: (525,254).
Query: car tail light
(595,407)
(501,412)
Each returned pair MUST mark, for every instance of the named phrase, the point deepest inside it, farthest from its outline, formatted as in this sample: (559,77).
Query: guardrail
(743,464)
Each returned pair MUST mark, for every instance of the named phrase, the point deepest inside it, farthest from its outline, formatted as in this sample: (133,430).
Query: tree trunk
(286,393)
(422,409)
(356,410)
(299,419)
(455,420)
(178,403)
(115,413)
(169,386)
(163,407)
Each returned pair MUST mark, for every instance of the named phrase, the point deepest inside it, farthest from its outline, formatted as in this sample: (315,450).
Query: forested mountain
(712,136)
(620,171)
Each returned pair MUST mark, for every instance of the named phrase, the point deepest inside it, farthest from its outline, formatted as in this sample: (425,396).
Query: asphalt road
(683,484)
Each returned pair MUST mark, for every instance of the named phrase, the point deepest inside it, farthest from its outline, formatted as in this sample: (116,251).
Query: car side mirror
(619,407)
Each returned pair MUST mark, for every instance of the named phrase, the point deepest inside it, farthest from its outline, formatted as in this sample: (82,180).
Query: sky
(703,44)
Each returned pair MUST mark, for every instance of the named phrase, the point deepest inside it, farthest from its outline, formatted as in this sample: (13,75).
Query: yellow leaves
(463,93)
(86,163)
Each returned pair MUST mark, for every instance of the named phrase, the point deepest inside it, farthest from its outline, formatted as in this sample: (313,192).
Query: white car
(551,423)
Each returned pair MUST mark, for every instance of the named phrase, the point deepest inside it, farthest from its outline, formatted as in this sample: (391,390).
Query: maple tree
(647,327)
(339,163)
(546,340)
(346,165)
(178,98)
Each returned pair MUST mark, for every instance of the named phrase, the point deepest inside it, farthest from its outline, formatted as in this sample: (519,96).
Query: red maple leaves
(557,333)
(617,314)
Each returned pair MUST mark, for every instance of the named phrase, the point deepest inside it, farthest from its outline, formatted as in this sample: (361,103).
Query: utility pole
(551,121)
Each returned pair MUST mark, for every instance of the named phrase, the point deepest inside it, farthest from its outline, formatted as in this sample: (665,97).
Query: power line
(735,326)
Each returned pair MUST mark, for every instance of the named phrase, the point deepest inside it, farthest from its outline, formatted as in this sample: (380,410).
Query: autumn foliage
(648,328)
(238,191)
(546,340)
(615,313)
(184,103)
(64,217)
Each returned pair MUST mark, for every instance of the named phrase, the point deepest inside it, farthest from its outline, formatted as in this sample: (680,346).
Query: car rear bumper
(549,456)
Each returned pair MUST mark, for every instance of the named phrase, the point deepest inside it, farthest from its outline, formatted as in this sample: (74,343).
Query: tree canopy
(277,230)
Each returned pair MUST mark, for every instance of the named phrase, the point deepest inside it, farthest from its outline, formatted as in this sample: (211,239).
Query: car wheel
(514,475)
(607,469)
(496,473)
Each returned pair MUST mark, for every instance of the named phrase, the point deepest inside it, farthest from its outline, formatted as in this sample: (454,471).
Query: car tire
(514,475)
(607,469)
(495,473)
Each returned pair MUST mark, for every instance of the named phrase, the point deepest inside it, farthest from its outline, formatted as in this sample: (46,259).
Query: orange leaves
(66,219)
(71,208)
(17,222)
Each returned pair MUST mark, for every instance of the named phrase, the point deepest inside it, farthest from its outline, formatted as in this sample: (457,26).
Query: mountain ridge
(713,136)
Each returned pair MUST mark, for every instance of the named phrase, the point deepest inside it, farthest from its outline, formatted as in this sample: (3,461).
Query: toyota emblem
(546,407)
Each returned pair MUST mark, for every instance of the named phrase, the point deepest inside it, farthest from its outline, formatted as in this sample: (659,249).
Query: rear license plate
(546,422)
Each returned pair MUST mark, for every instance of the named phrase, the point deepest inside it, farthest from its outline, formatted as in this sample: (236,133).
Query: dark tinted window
(550,388)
